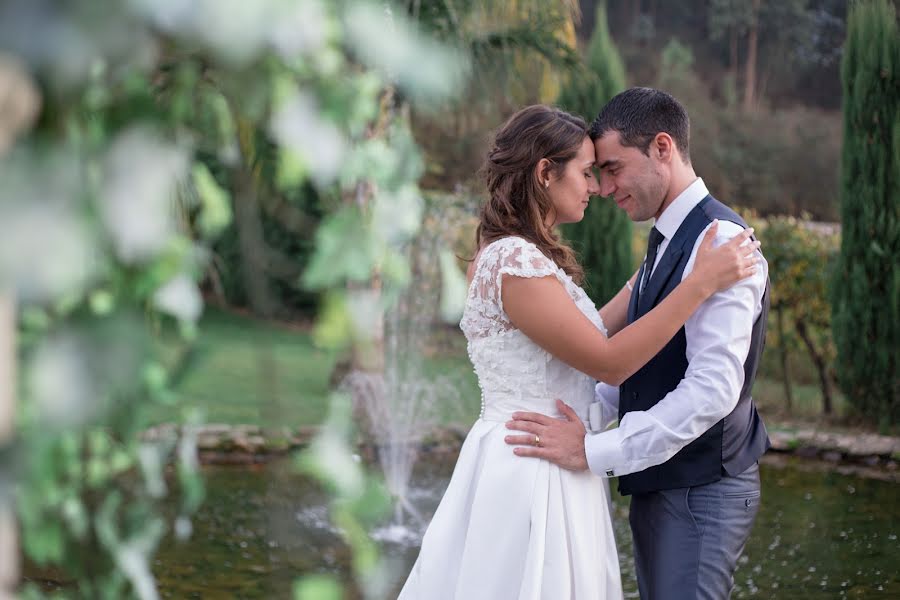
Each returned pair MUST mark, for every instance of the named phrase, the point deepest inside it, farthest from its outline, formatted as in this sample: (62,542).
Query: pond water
(819,535)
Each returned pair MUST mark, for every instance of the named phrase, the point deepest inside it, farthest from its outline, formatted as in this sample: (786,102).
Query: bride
(526,529)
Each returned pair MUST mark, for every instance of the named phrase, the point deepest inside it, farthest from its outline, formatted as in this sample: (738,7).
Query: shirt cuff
(604,452)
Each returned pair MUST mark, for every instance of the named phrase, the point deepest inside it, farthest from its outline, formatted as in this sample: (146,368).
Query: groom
(689,436)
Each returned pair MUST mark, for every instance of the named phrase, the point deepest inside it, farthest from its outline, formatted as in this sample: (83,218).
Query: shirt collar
(671,219)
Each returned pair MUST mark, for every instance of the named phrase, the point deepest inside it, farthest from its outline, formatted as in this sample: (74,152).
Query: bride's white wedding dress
(508,527)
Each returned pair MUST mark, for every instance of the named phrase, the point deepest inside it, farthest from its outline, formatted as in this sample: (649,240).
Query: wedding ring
(537,441)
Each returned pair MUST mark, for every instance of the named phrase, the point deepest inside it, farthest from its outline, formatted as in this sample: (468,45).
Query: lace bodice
(513,372)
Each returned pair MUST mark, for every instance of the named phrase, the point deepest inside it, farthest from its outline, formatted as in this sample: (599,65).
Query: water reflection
(819,535)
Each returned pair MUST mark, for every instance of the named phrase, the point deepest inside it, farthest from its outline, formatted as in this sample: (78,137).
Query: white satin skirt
(514,528)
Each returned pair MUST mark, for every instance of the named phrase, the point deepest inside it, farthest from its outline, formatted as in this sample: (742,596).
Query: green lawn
(248,371)
(807,403)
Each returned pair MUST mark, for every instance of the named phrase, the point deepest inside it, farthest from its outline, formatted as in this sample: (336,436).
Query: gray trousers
(687,541)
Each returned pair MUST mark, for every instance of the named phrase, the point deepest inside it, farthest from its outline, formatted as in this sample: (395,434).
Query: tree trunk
(782,351)
(733,52)
(9,546)
(819,361)
(250,231)
(750,70)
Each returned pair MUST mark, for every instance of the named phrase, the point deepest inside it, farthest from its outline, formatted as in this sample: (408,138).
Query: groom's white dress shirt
(718,340)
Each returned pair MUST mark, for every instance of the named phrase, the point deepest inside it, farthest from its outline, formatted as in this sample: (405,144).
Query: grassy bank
(250,371)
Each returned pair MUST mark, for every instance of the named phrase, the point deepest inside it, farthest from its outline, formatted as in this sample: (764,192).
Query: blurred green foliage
(172,124)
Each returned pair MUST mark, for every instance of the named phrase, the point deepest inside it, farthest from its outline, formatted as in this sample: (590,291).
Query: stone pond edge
(248,444)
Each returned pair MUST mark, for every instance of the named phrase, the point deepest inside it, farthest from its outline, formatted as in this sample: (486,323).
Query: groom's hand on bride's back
(561,441)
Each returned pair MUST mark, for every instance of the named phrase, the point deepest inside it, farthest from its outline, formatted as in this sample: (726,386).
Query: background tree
(730,19)
(801,261)
(521,51)
(603,237)
(867,282)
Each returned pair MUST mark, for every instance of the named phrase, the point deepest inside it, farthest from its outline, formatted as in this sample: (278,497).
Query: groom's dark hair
(638,114)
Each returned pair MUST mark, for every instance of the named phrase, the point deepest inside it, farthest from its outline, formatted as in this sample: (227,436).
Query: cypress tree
(603,238)
(866,281)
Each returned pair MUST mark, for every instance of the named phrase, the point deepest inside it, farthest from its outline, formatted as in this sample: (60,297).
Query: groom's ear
(663,147)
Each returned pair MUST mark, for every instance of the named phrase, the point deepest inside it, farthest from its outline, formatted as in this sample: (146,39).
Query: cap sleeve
(507,256)
(521,258)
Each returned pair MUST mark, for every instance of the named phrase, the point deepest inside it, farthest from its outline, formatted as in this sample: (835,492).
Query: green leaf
(120,461)
(226,126)
(292,169)
(193,491)
(35,318)
(215,203)
(102,302)
(44,543)
(155,376)
(344,251)
(395,269)
(98,473)
(318,587)
(177,257)
(373,504)
(105,520)
(333,327)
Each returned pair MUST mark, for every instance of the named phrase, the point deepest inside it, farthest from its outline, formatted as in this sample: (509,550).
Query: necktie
(653,243)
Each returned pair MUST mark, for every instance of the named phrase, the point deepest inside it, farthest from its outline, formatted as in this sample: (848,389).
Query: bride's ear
(542,173)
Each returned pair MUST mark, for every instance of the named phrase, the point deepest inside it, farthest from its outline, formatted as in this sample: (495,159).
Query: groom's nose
(607,187)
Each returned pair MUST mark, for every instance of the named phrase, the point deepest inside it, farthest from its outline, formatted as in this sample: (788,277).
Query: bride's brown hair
(517,204)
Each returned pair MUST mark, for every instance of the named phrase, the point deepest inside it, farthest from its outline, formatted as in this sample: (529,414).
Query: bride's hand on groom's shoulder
(561,441)
(718,267)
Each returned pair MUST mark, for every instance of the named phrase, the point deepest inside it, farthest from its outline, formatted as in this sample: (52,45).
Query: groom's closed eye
(610,167)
